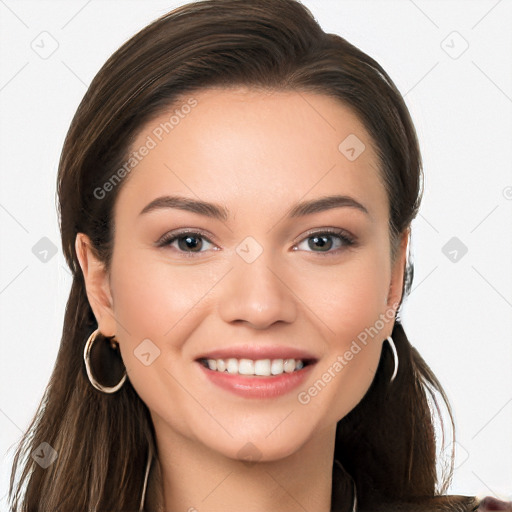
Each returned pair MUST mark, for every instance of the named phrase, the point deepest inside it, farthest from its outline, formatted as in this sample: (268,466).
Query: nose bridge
(255,291)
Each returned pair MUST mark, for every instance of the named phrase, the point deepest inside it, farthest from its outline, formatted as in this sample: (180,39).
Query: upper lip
(256,352)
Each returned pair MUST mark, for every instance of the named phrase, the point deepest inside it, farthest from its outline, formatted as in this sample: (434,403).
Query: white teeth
(289,365)
(277,367)
(246,367)
(232,365)
(261,367)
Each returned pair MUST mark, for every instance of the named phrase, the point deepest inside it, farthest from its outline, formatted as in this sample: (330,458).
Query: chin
(261,443)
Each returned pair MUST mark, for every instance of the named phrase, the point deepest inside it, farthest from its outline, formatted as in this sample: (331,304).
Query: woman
(214,357)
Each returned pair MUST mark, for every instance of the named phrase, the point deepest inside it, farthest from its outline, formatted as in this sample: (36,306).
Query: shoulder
(489,504)
(449,503)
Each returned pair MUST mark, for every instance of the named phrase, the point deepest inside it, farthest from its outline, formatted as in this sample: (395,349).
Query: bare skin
(256,154)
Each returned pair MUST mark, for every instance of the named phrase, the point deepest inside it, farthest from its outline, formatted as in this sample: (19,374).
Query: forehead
(249,145)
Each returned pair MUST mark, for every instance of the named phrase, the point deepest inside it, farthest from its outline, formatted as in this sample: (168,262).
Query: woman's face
(258,284)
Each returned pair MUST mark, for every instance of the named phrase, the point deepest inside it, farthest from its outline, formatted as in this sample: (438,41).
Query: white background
(458,314)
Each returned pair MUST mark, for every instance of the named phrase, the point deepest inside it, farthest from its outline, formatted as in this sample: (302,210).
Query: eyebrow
(219,212)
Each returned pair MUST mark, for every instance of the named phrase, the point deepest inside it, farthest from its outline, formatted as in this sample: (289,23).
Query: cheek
(162,303)
(157,309)
(352,306)
(151,298)
(349,298)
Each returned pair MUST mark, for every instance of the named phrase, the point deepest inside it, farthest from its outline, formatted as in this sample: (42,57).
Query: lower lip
(257,387)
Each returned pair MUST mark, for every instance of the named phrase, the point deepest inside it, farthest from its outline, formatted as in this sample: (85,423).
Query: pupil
(189,241)
(321,241)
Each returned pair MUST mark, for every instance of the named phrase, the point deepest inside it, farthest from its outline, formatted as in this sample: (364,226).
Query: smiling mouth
(256,368)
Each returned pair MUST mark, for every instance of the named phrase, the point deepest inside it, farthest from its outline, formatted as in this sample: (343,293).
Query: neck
(195,478)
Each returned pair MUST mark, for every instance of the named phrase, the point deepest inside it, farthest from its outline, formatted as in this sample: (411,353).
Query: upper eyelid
(171,234)
(327,230)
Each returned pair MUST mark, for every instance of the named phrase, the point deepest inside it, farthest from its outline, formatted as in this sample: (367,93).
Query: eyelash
(346,240)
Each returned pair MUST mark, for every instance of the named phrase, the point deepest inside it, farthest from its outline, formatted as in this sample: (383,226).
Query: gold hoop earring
(87,361)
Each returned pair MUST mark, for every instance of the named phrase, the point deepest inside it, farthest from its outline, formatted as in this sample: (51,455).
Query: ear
(97,285)
(398,271)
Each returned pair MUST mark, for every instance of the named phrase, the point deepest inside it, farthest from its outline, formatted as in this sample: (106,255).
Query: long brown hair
(103,440)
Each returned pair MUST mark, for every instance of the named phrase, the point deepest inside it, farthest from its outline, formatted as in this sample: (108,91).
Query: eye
(190,242)
(324,241)
(187,241)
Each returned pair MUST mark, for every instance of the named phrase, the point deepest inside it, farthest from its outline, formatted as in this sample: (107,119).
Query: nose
(258,294)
